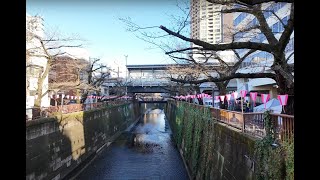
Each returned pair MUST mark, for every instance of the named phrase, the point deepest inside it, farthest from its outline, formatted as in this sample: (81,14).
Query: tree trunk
(285,88)
(37,102)
(222,91)
(197,89)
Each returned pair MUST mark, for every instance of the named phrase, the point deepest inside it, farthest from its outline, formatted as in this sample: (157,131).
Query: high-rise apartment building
(208,24)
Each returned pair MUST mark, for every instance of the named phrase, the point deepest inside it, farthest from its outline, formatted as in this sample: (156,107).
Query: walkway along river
(146,151)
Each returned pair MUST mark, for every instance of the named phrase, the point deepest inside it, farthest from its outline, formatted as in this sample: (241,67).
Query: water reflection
(148,135)
(144,152)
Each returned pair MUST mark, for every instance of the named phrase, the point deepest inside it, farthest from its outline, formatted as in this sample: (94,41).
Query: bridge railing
(151,99)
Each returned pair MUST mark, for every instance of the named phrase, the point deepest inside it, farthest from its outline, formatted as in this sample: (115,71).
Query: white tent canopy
(273,104)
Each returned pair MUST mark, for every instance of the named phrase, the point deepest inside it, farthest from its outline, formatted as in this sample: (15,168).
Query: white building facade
(34,65)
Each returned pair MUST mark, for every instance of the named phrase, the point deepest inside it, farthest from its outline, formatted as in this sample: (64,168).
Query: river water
(146,151)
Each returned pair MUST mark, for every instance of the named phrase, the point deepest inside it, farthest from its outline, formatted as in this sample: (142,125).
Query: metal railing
(254,123)
(36,113)
(151,99)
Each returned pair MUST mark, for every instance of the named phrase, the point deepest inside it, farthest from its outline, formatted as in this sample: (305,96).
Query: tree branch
(221,47)
(232,76)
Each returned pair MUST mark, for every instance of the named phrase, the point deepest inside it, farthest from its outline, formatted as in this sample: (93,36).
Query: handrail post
(243,124)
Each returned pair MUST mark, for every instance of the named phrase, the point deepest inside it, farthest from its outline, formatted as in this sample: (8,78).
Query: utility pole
(126,56)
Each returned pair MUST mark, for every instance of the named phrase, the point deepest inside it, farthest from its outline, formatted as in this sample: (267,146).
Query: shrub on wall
(270,155)
(193,131)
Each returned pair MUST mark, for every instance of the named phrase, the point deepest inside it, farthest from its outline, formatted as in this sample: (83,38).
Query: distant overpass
(153,78)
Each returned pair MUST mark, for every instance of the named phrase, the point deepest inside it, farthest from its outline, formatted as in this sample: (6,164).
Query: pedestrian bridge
(154,78)
(152,100)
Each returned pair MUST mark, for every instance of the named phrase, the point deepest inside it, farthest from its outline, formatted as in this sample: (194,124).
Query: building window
(239,19)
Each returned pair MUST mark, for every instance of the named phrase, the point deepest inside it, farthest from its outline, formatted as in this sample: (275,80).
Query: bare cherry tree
(44,48)
(282,68)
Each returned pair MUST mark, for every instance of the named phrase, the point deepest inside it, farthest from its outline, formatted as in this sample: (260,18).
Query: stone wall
(56,146)
(211,149)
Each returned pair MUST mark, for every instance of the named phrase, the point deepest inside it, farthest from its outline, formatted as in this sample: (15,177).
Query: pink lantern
(253,96)
(243,93)
(283,99)
(67,96)
(265,98)
(222,98)
(235,94)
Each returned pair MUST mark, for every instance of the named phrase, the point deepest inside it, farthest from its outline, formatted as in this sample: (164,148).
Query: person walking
(247,106)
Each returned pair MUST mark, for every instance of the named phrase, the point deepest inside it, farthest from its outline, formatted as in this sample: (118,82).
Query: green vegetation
(201,140)
(270,156)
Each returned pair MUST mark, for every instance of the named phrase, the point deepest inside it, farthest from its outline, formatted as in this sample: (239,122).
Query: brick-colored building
(66,73)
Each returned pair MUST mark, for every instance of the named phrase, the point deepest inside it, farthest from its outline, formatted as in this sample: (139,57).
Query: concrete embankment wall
(211,150)
(56,146)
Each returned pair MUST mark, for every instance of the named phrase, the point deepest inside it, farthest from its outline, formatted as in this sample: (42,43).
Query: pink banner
(265,98)
(283,99)
(222,98)
(228,97)
(235,95)
(243,93)
(253,96)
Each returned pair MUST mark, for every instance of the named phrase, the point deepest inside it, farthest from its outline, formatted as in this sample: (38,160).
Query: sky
(106,37)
